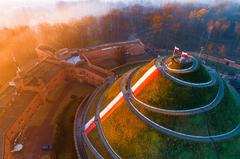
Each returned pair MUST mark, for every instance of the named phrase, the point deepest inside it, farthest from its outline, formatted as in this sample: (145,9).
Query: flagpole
(174,51)
(15,62)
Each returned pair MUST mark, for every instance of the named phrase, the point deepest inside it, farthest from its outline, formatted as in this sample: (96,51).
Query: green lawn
(63,141)
(131,138)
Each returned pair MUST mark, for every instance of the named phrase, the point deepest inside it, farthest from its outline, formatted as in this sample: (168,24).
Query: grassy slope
(131,138)
(167,94)
(64,143)
(225,118)
(201,75)
(63,120)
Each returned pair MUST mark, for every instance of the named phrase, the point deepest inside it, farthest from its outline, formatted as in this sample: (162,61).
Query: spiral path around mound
(98,124)
(129,97)
(197,110)
(163,68)
(194,67)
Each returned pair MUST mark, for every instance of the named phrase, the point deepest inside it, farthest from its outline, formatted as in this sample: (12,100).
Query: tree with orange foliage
(156,22)
(115,26)
(202,12)
(198,13)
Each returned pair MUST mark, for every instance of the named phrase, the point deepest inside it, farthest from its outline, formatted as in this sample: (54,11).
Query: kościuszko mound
(182,109)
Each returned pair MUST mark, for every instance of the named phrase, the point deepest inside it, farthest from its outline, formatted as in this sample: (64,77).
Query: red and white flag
(184,55)
(176,49)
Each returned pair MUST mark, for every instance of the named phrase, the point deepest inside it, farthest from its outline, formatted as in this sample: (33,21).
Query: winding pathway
(194,67)
(84,135)
(170,132)
(199,109)
(100,130)
(162,69)
(128,95)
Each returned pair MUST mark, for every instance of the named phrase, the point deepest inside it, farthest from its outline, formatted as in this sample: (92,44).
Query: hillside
(132,138)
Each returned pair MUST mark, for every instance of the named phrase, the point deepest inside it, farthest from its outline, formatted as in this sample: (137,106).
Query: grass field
(64,119)
(64,142)
(42,113)
(131,138)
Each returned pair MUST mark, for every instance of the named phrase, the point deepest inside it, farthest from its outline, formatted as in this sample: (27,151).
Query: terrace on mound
(130,137)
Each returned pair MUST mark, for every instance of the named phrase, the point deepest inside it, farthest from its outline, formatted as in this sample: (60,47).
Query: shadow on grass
(63,133)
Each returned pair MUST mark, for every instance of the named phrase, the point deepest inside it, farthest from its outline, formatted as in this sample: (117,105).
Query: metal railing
(75,126)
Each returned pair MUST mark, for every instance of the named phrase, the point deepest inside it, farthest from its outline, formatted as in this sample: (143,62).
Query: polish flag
(176,49)
(184,55)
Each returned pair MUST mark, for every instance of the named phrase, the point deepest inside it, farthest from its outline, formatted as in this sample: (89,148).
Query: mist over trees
(189,26)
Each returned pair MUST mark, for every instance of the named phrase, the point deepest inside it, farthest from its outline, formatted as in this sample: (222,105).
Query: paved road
(170,132)
(108,45)
(216,59)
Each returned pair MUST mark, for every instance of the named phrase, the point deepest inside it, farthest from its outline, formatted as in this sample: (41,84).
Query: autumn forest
(189,26)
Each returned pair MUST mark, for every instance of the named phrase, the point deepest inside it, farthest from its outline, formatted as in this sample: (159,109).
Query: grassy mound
(164,93)
(131,138)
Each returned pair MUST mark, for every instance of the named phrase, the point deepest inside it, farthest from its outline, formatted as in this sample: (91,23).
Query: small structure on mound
(173,107)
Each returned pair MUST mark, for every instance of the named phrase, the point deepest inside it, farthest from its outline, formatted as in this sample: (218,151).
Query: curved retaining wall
(75,127)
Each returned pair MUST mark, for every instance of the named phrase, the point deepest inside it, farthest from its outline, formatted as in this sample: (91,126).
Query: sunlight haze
(32,12)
